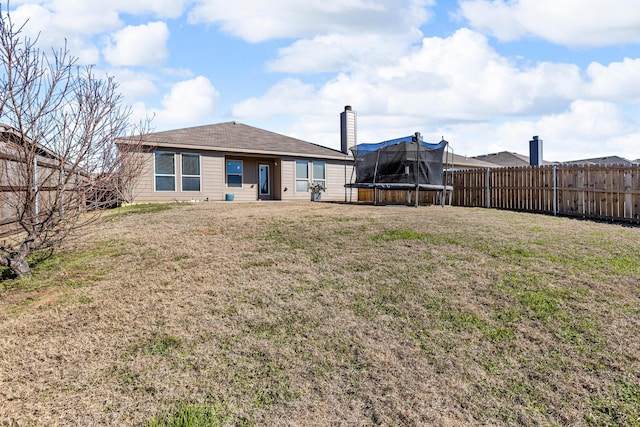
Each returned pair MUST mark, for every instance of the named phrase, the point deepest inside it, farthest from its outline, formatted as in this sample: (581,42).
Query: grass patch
(329,314)
(66,268)
(141,209)
(622,408)
(193,415)
(158,344)
(400,234)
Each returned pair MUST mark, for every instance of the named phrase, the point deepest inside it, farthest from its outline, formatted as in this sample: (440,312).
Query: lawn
(327,314)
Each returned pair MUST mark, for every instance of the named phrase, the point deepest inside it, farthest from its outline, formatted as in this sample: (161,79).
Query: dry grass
(325,314)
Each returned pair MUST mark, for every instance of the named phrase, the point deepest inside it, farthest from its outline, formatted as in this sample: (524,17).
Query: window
(190,172)
(302,176)
(319,174)
(165,169)
(234,173)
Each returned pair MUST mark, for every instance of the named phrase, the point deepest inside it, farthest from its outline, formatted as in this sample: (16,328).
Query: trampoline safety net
(406,160)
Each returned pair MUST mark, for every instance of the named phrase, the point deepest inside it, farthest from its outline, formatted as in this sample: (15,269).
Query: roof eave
(337,156)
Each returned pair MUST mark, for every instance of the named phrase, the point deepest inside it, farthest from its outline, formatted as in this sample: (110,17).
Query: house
(459,162)
(234,161)
(506,159)
(607,160)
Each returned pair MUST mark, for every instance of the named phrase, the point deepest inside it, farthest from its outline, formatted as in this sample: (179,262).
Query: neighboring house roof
(233,137)
(607,160)
(464,162)
(505,159)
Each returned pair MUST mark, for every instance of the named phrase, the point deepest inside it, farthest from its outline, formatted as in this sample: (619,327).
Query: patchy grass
(158,344)
(622,407)
(400,234)
(145,208)
(323,314)
(67,267)
(193,415)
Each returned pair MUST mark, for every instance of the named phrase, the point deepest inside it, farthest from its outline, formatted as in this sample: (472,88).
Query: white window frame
(324,168)
(183,175)
(156,174)
(302,179)
(226,171)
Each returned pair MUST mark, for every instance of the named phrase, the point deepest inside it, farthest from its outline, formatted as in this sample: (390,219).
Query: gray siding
(335,173)
(289,182)
(214,186)
(249,190)
(211,179)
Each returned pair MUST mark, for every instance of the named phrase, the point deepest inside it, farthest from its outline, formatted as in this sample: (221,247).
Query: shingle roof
(464,162)
(607,160)
(505,158)
(239,138)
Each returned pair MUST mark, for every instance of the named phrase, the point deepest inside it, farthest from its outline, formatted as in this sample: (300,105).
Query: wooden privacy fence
(588,191)
(399,197)
(46,183)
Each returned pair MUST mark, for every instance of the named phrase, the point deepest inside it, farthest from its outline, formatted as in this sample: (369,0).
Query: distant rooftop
(506,159)
(509,159)
(607,160)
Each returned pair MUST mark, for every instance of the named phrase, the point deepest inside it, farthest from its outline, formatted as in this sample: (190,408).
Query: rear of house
(234,161)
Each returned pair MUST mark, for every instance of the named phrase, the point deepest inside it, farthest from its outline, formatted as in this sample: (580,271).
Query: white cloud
(459,87)
(338,52)
(567,22)
(91,17)
(289,96)
(162,9)
(616,81)
(462,78)
(588,121)
(257,20)
(594,127)
(51,30)
(189,102)
(142,45)
(57,20)
(77,21)
(134,85)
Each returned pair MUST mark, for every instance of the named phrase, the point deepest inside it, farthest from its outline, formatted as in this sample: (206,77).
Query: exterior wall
(337,174)
(143,187)
(249,190)
(213,175)
(214,187)
(288,173)
(211,179)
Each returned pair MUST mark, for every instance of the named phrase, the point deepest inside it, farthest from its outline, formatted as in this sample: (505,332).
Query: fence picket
(588,191)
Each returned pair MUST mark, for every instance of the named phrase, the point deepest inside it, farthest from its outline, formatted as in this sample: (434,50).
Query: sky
(486,75)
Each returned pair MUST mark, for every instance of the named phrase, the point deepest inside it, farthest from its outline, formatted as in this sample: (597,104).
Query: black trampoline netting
(406,160)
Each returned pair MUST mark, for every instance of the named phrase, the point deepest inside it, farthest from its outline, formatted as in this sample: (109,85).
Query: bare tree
(59,163)
(131,164)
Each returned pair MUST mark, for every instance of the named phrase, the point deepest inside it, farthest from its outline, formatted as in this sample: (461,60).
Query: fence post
(35,187)
(555,190)
(487,202)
